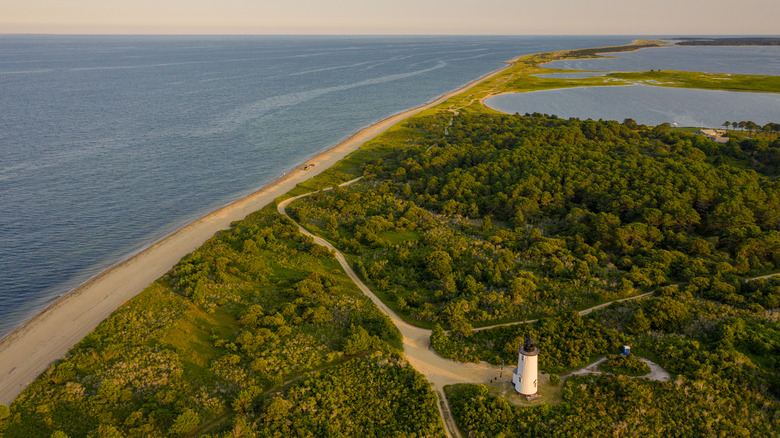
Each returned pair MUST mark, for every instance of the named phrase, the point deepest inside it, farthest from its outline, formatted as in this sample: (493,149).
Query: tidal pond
(646,104)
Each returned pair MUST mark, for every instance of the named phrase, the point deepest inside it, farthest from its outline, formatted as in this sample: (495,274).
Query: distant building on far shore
(716,135)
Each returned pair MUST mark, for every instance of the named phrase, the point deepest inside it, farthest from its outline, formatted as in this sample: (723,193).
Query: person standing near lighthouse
(526,376)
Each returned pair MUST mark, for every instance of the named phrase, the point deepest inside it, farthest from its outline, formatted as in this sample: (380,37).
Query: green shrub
(626,365)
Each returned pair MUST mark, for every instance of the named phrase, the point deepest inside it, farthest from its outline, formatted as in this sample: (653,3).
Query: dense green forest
(569,341)
(507,217)
(724,364)
(511,217)
(257,333)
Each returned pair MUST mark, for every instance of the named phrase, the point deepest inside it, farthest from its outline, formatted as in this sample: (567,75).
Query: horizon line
(383,34)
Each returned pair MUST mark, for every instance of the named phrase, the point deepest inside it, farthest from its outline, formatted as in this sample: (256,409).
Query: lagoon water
(646,104)
(755,60)
(653,105)
(109,143)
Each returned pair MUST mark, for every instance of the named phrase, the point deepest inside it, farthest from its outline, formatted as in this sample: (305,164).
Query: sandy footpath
(438,370)
(29,350)
(656,372)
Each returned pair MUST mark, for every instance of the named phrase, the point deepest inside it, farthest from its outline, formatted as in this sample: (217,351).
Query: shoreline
(29,349)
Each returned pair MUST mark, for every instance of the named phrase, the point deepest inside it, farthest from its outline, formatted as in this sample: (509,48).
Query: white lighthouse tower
(525,376)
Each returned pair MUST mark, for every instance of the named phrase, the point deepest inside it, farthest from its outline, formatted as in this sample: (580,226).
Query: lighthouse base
(517,380)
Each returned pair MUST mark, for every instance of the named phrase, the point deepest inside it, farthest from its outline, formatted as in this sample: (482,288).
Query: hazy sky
(506,17)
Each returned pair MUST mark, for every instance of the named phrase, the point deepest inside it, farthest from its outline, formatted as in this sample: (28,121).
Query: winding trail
(656,372)
(763,277)
(438,370)
(581,312)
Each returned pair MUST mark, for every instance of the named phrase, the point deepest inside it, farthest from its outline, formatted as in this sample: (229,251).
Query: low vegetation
(629,365)
(708,81)
(729,41)
(258,332)
(606,406)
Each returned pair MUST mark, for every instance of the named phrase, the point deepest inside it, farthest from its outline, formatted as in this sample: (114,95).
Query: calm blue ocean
(108,143)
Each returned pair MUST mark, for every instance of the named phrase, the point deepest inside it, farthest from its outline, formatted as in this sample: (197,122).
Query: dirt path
(600,306)
(656,372)
(438,370)
(581,312)
(763,277)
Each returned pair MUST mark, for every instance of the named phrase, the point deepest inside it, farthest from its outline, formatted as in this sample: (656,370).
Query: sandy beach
(29,350)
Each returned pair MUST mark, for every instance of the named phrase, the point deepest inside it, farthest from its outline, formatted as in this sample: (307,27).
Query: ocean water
(646,105)
(108,143)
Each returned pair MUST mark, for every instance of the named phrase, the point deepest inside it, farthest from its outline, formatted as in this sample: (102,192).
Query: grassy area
(521,77)
(396,237)
(548,393)
(352,166)
(191,335)
(709,81)
(254,308)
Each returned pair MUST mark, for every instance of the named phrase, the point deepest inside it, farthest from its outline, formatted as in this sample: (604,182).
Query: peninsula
(427,256)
